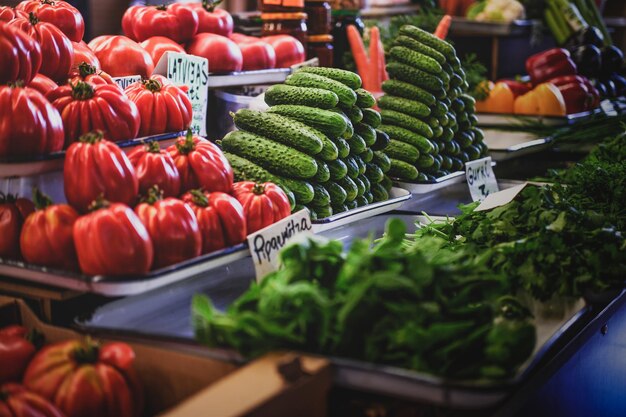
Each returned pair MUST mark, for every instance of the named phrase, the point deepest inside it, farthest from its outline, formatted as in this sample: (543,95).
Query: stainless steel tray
(114,286)
(494,119)
(426,187)
(270,76)
(505,145)
(397,197)
(23,167)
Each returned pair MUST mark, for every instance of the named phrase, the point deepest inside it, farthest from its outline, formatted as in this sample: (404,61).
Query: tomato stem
(161,7)
(40,199)
(50,2)
(32,18)
(154,194)
(153,147)
(258,189)
(98,203)
(17,84)
(187,145)
(82,91)
(87,353)
(199,198)
(152,85)
(85,69)
(210,6)
(7,198)
(92,137)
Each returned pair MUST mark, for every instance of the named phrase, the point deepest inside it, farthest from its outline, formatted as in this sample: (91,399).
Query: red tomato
(289,50)
(263,204)
(80,379)
(220,218)
(89,73)
(201,164)
(95,167)
(163,107)
(120,56)
(19,53)
(257,55)
(240,38)
(9,13)
(154,166)
(176,21)
(29,117)
(16,351)
(86,107)
(46,237)
(223,54)
(158,45)
(42,84)
(173,229)
(82,53)
(60,13)
(212,20)
(56,48)
(17,401)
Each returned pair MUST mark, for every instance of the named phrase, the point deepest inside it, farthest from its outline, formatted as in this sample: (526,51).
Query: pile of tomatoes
(73,378)
(128,214)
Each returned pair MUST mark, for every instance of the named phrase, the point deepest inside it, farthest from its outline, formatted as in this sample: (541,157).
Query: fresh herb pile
(415,303)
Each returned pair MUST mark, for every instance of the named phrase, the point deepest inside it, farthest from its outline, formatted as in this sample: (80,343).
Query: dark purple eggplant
(588,60)
(620,84)
(588,36)
(612,59)
(601,88)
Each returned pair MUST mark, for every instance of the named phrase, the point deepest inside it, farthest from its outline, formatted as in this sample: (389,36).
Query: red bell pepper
(517,87)
(576,96)
(550,64)
(566,79)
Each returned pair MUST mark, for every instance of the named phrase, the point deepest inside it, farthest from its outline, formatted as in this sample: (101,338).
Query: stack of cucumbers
(319,141)
(425,110)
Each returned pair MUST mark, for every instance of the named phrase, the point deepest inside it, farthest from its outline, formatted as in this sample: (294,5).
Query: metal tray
(426,187)
(505,145)
(494,119)
(23,167)
(397,197)
(270,76)
(113,286)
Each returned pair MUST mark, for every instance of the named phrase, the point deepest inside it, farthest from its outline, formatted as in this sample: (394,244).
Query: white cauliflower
(504,11)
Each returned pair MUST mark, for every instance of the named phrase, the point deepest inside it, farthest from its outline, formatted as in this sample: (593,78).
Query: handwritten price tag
(265,244)
(126,81)
(192,71)
(480,178)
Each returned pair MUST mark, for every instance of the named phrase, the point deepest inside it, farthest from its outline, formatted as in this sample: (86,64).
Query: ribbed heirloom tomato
(223,54)
(213,20)
(56,48)
(95,167)
(120,56)
(220,218)
(84,379)
(156,46)
(17,401)
(19,53)
(154,166)
(86,107)
(176,21)
(172,226)
(289,51)
(111,240)
(16,350)
(82,53)
(8,13)
(201,164)
(42,84)
(47,235)
(88,73)
(13,211)
(263,204)
(163,107)
(29,124)
(60,13)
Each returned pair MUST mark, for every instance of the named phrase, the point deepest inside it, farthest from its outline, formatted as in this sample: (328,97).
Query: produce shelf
(493,119)
(505,145)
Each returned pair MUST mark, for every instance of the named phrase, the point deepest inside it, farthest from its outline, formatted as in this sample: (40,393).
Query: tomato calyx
(82,91)
(17,84)
(40,199)
(198,198)
(161,7)
(85,69)
(154,194)
(187,145)
(210,6)
(153,147)
(87,353)
(50,2)
(92,137)
(7,198)
(99,203)
(32,18)
(258,189)
(152,85)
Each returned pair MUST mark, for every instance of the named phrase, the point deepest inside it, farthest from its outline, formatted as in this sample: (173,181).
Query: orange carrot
(360,56)
(383,65)
(374,75)
(442,28)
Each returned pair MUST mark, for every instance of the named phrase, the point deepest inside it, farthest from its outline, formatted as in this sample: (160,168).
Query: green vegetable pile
(412,303)
(318,141)
(426,110)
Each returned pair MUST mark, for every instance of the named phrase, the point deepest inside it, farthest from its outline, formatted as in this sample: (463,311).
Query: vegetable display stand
(493,119)
(507,145)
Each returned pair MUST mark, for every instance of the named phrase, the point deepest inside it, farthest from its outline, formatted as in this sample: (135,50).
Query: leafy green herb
(475,73)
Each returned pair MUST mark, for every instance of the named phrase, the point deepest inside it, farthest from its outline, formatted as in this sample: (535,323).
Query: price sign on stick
(192,71)
(480,178)
(124,82)
(266,243)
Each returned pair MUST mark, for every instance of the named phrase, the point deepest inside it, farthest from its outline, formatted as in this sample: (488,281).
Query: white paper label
(265,244)
(126,81)
(480,178)
(193,72)
(500,198)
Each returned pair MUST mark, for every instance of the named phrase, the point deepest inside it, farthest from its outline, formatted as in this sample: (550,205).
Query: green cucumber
(444,120)
(372,118)
(351,205)
(446,164)
(348,78)
(281,129)
(411,107)
(382,160)
(347,96)
(473,152)
(391,117)
(270,155)
(323,173)
(350,188)
(321,197)
(327,122)
(323,212)
(437,132)
(406,136)
(357,144)
(386,182)
(458,105)
(379,193)
(402,170)
(464,139)
(353,168)
(329,152)
(416,77)
(470,102)
(479,136)
(349,128)
(473,120)
(425,161)
(339,208)
(354,113)
(337,194)
(337,169)
(364,99)
(360,163)
(367,156)
(373,173)
(366,182)
(416,46)
(402,151)
(314,97)
(406,90)
(416,60)
(433,122)
(361,201)
(431,40)
(360,186)
(343,149)
(382,140)
(368,197)
(455,81)
(366,132)
(440,109)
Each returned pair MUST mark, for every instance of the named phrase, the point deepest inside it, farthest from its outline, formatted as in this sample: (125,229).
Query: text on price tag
(192,71)
(480,178)
(124,82)
(266,243)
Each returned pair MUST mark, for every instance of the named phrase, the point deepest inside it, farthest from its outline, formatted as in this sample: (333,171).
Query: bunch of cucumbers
(426,110)
(318,141)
